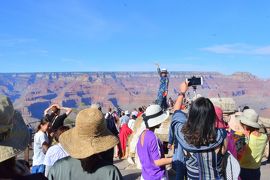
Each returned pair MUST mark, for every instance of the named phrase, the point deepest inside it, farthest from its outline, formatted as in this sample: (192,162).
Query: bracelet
(182,94)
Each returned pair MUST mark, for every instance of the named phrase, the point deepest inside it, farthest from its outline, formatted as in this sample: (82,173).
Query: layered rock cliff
(34,92)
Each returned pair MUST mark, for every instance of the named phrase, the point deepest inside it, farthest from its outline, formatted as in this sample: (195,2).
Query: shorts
(38,169)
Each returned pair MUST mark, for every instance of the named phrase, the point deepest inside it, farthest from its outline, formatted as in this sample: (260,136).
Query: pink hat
(219,118)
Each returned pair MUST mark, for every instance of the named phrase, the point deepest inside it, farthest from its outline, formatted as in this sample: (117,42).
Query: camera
(195,81)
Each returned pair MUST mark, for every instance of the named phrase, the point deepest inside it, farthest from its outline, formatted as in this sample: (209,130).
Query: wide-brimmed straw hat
(250,118)
(89,136)
(154,116)
(14,134)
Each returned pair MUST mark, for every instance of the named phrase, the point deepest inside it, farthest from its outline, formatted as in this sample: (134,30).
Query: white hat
(135,113)
(164,71)
(154,116)
(250,118)
(126,112)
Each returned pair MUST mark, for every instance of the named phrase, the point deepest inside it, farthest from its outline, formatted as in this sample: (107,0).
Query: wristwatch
(182,93)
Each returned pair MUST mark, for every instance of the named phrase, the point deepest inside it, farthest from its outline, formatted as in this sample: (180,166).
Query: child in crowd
(149,147)
(41,145)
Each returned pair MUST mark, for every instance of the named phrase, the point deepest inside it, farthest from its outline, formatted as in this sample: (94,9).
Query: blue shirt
(124,119)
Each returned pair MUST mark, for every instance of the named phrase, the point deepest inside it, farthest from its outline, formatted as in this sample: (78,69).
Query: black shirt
(56,122)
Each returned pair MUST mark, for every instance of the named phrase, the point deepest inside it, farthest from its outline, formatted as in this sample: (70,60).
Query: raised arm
(158,69)
(183,89)
(49,108)
(68,110)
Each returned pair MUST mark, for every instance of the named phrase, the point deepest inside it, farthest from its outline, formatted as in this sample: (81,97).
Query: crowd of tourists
(206,144)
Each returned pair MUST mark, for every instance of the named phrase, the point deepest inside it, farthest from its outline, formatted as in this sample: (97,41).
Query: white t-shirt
(53,154)
(131,124)
(39,138)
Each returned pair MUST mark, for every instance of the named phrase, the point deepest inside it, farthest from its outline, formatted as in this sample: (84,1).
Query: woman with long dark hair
(202,145)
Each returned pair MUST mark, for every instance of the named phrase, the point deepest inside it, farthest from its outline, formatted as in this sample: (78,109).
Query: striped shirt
(204,165)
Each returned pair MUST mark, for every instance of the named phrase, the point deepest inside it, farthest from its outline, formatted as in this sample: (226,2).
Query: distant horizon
(81,72)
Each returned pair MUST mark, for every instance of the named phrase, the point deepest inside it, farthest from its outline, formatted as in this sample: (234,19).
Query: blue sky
(131,35)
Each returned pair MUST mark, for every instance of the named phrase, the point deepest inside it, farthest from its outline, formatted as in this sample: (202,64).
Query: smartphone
(195,81)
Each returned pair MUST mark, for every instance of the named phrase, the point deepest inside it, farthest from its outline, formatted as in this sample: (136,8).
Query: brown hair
(59,131)
(55,109)
(42,122)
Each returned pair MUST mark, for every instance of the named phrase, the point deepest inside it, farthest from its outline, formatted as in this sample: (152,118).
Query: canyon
(31,93)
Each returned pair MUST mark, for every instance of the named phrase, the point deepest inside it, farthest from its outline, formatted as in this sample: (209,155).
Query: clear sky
(131,35)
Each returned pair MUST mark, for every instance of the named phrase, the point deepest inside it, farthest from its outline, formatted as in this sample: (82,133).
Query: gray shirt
(69,169)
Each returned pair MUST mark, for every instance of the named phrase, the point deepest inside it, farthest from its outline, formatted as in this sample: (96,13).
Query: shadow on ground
(132,176)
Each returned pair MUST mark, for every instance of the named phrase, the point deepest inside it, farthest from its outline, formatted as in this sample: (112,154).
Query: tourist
(220,123)
(140,112)
(124,134)
(56,151)
(149,147)
(109,113)
(110,120)
(250,161)
(85,143)
(111,126)
(41,145)
(134,112)
(163,88)
(203,144)
(124,119)
(97,106)
(117,148)
(14,138)
(55,118)
(170,102)
(131,122)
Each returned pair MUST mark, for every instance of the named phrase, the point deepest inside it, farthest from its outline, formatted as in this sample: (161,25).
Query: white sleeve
(47,168)
(47,158)
(43,138)
(106,115)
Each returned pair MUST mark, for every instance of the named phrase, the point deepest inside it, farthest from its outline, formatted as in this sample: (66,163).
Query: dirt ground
(129,172)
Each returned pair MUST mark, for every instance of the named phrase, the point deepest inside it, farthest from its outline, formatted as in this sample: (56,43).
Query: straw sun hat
(89,136)
(154,116)
(14,135)
(250,118)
